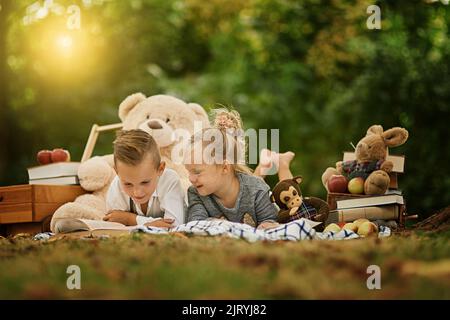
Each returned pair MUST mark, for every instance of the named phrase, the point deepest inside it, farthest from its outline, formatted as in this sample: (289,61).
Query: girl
(221,186)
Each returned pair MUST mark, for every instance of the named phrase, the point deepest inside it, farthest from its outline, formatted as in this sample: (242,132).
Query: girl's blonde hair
(229,125)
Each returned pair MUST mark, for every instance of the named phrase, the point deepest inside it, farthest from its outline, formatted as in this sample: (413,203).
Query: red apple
(341,224)
(356,185)
(337,183)
(60,155)
(44,157)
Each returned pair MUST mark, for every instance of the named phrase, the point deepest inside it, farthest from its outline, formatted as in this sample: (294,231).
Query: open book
(87,226)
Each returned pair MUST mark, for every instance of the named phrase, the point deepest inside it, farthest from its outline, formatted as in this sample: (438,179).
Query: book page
(313,223)
(104,225)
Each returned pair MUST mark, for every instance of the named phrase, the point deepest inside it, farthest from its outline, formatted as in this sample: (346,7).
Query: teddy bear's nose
(154,124)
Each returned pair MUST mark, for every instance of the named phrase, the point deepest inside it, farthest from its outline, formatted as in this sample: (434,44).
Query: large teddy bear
(163,117)
(371,164)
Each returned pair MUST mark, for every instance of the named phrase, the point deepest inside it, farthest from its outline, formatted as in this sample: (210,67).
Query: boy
(144,192)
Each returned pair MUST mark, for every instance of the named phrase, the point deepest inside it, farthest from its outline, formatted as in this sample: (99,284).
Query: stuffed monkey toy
(288,196)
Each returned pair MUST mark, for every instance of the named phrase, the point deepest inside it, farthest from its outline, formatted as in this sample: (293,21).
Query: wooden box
(29,208)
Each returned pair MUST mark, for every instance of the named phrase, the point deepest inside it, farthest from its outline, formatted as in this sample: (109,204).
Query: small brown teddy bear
(288,196)
(371,163)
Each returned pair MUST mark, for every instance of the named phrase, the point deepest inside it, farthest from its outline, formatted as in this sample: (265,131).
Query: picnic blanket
(296,230)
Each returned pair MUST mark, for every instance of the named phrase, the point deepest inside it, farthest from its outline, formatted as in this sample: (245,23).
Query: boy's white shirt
(168,201)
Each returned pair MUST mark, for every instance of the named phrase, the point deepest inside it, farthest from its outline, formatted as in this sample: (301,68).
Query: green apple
(332,227)
(367,228)
(350,226)
(360,221)
(356,185)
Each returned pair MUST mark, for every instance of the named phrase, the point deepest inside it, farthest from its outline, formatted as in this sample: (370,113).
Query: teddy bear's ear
(198,110)
(395,137)
(375,129)
(129,103)
(298,179)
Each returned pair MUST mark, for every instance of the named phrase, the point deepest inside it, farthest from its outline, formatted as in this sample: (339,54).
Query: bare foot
(265,158)
(282,162)
(266,163)
(271,162)
(285,159)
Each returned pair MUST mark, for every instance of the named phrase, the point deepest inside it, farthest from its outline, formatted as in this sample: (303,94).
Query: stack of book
(58,173)
(384,207)
(345,207)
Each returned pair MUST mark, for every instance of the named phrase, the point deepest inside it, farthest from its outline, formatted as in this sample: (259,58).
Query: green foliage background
(309,67)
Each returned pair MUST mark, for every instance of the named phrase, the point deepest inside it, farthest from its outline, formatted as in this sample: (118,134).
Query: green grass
(141,266)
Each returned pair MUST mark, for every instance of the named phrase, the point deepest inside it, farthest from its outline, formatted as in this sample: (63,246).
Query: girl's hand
(161,223)
(268,225)
(123,217)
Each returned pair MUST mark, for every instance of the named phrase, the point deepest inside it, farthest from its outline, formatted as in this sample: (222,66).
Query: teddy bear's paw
(387,166)
(327,174)
(73,210)
(377,183)
(77,210)
(95,174)
(91,200)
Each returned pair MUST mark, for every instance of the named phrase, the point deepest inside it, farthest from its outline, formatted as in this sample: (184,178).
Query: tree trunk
(5,138)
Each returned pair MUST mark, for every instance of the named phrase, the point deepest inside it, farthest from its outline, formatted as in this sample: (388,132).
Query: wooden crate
(29,208)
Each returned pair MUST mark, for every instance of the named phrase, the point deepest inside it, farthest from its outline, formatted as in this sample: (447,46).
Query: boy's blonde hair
(131,147)
(229,125)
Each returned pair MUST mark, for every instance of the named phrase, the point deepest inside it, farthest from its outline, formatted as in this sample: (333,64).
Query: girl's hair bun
(226,119)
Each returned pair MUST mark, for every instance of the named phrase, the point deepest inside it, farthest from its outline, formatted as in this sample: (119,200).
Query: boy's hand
(161,223)
(123,217)
(268,225)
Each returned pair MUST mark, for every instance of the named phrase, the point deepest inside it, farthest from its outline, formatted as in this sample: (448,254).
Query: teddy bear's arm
(339,167)
(387,166)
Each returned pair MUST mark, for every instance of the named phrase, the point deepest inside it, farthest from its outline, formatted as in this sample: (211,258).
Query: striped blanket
(296,230)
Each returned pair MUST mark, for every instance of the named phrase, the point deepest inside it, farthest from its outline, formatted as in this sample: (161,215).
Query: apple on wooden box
(337,183)
(356,185)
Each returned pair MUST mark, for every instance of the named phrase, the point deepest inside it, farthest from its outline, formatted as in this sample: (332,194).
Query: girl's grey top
(253,198)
